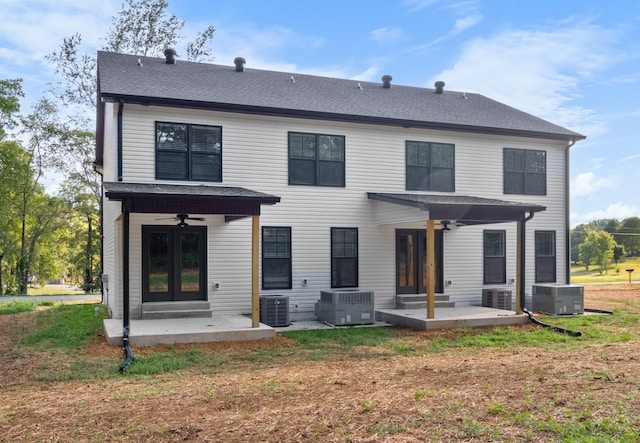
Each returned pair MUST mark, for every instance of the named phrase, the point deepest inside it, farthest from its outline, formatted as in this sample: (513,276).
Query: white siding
(255,156)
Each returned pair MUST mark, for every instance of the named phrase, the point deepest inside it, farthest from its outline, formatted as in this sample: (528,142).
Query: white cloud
(588,183)
(416,5)
(618,210)
(540,71)
(386,36)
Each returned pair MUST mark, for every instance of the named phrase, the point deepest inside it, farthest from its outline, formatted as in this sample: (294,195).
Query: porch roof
(461,208)
(189,199)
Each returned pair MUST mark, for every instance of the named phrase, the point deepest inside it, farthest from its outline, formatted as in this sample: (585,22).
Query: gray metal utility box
(558,299)
(496,298)
(346,307)
(274,310)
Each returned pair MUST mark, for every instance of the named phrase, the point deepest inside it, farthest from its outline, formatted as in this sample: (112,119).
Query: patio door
(174,263)
(411,261)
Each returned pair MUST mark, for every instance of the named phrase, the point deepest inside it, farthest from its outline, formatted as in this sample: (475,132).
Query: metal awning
(189,199)
(461,208)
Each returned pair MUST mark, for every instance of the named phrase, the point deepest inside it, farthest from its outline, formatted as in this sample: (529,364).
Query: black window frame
(492,261)
(341,257)
(425,171)
(316,171)
(523,173)
(282,262)
(545,257)
(196,159)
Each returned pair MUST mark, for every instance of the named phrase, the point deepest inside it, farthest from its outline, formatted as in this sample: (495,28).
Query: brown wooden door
(411,261)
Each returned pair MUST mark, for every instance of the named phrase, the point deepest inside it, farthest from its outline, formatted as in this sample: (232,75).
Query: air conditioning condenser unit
(274,310)
(346,307)
(558,299)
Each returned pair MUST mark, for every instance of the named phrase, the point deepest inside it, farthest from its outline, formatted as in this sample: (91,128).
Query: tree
(618,253)
(598,248)
(586,254)
(10,93)
(143,27)
(578,234)
(628,234)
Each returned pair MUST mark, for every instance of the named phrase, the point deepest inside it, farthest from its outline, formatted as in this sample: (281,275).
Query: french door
(411,261)
(174,263)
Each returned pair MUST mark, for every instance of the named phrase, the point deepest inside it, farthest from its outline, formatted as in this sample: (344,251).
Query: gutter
(120,109)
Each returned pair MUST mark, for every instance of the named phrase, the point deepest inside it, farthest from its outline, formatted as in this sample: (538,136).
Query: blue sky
(573,62)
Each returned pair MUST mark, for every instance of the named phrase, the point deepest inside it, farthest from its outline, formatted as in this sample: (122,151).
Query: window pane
(331,173)
(513,183)
(418,154)
(536,184)
(417,178)
(535,161)
(494,270)
(171,165)
(545,244)
(302,172)
(206,167)
(206,139)
(158,274)
(441,155)
(331,147)
(494,244)
(345,273)
(514,160)
(275,274)
(190,262)
(442,179)
(171,136)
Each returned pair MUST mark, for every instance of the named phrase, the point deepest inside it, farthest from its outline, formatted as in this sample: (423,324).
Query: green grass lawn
(616,273)
(55,290)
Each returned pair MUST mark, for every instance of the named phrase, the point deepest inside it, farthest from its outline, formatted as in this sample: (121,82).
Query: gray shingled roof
(118,190)
(269,92)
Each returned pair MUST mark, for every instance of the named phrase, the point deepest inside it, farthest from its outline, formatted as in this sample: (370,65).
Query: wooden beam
(519,258)
(431,269)
(255,298)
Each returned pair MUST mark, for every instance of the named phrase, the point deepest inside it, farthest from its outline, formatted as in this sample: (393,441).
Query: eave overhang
(463,209)
(232,202)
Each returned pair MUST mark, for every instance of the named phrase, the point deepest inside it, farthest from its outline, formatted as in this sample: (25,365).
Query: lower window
(495,264)
(276,257)
(344,257)
(545,256)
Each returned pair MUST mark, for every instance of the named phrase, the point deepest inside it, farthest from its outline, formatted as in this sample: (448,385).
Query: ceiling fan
(181,218)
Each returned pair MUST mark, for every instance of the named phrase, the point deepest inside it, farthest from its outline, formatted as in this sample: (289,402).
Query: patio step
(419,301)
(182,309)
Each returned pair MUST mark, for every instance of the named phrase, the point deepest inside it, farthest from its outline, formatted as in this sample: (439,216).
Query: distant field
(55,290)
(615,273)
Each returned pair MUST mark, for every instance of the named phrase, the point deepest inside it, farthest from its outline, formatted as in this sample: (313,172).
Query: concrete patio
(238,327)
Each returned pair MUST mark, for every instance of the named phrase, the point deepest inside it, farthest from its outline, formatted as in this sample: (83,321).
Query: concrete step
(181,309)
(423,304)
(419,301)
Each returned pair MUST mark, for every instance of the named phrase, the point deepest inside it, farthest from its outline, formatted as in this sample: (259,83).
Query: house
(224,184)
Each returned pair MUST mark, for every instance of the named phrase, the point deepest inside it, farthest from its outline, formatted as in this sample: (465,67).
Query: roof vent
(239,62)
(386,81)
(170,56)
(439,87)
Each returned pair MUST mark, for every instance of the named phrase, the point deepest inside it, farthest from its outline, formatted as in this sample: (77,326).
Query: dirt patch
(488,395)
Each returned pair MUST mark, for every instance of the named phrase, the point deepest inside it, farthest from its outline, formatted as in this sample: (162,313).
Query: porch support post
(255,299)
(431,269)
(519,265)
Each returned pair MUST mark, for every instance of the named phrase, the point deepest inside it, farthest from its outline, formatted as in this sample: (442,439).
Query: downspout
(567,197)
(523,259)
(126,208)
(120,109)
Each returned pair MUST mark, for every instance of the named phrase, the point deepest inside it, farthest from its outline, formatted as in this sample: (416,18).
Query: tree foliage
(142,27)
(598,248)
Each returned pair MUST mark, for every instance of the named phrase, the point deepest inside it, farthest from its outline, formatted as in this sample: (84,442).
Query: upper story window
(525,171)
(188,152)
(316,159)
(430,166)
